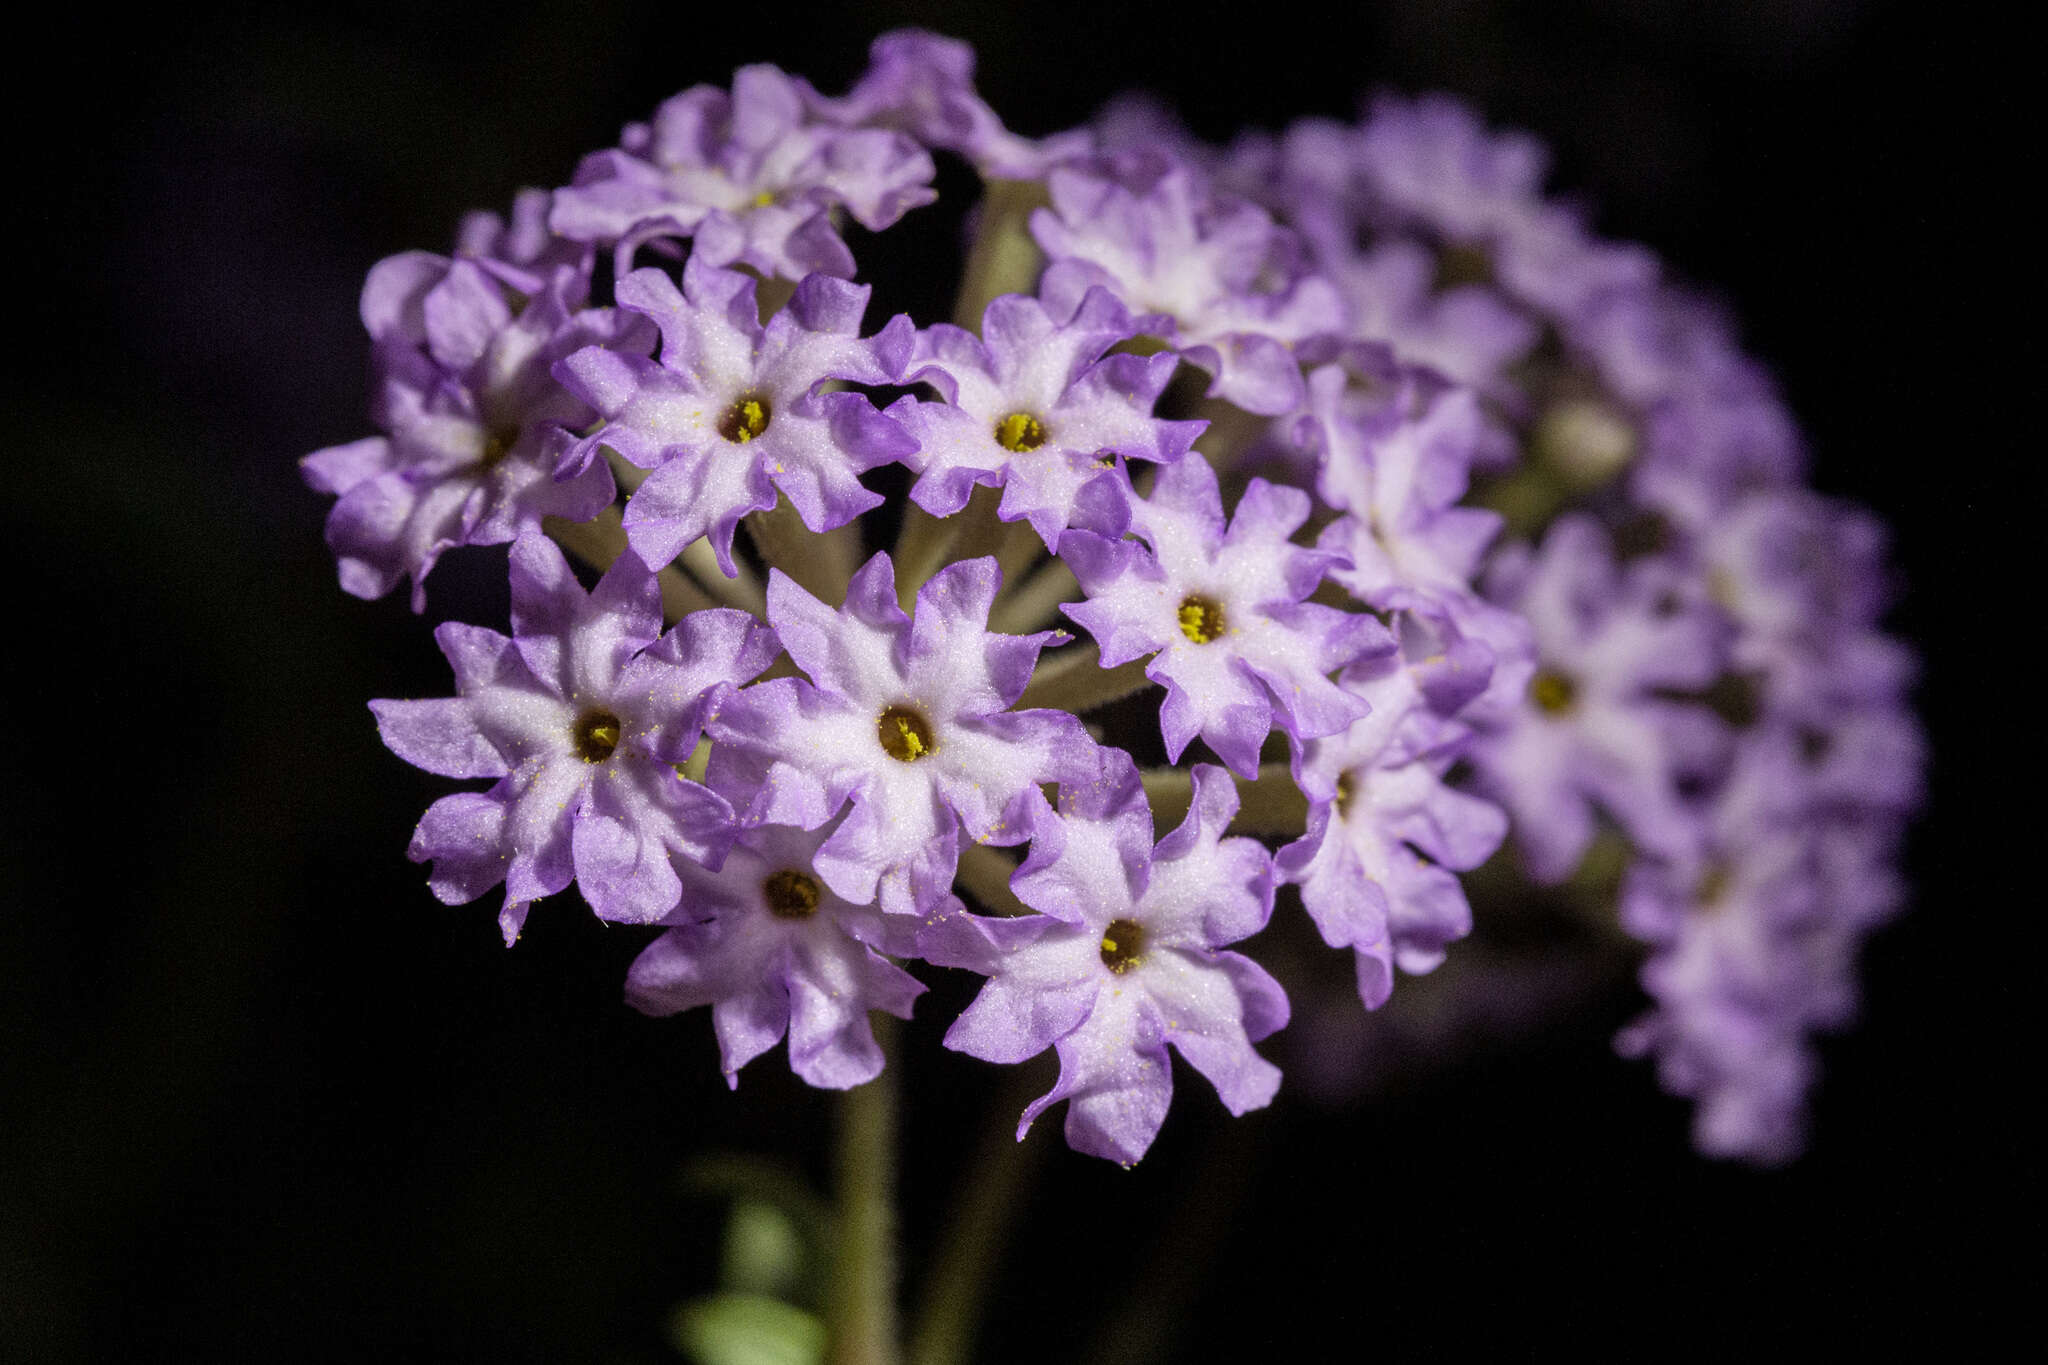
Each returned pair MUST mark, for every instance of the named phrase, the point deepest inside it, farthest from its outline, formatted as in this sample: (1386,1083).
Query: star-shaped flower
(1237,643)
(923,84)
(735,410)
(1385,835)
(773,950)
(1210,275)
(475,423)
(1126,960)
(1600,724)
(1397,460)
(1035,408)
(750,174)
(583,716)
(906,717)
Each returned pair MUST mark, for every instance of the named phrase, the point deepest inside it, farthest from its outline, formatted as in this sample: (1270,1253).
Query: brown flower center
(498,443)
(1462,263)
(790,894)
(905,734)
(1553,692)
(1713,885)
(1121,942)
(596,735)
(745,419)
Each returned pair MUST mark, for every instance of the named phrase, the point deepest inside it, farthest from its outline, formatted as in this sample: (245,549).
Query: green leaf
(764,1250)
(748,1329)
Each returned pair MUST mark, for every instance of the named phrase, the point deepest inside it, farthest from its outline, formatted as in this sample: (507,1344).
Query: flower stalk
(861,1302)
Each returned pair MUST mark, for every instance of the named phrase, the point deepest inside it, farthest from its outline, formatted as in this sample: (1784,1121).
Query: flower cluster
(1100,579)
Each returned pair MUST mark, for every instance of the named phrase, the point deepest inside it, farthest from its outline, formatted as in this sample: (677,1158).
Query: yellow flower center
(1201,619)
(1020,431)
(905,734)
(745,419)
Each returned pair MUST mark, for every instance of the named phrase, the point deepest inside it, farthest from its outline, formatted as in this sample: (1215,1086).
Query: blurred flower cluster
(1289,523)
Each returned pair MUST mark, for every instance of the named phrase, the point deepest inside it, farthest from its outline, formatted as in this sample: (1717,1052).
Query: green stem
(743,590)
(926,542)
(1231,431)
(1035,601)
(1073,679)
(1017,549)
(1269,804)
(1159,1297)
(822,565)
(861,1308)
(1003,258)
(985,872)
(599,542)
(1001,1169)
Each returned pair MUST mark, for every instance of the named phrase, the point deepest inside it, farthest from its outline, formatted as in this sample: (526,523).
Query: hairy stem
(985,873)
(1158,1298)
(697,560)
(1170,791)
(821,564)
(1231,432)
(743,591)
(1034,603)
(1073,679)
(999,1172)
(861,1307)
(1003,258)
(927,543)
(1017,548)
(1269,804)
(601,541)
(771,294)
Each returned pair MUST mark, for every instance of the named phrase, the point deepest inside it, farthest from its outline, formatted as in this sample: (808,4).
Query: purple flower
(1803,579)
(1036,410)
(1212,276)
(750,175)
(522,244)
(1124,961)
(769,946)
(1383,829)
(923,84)
(734,410)
(475,422)
(582,716)
(1468,333)
(1236,641)
(906,717)
(1754,941)
(1430,165)
(1704,452)
(1599,724)
(1397,462)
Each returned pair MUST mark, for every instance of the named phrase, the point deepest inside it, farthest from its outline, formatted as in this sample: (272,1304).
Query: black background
(266,1099)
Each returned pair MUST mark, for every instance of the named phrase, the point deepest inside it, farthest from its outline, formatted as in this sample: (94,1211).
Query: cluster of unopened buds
(1316,512)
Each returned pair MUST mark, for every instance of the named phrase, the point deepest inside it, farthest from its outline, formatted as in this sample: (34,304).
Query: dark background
(264,1098)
